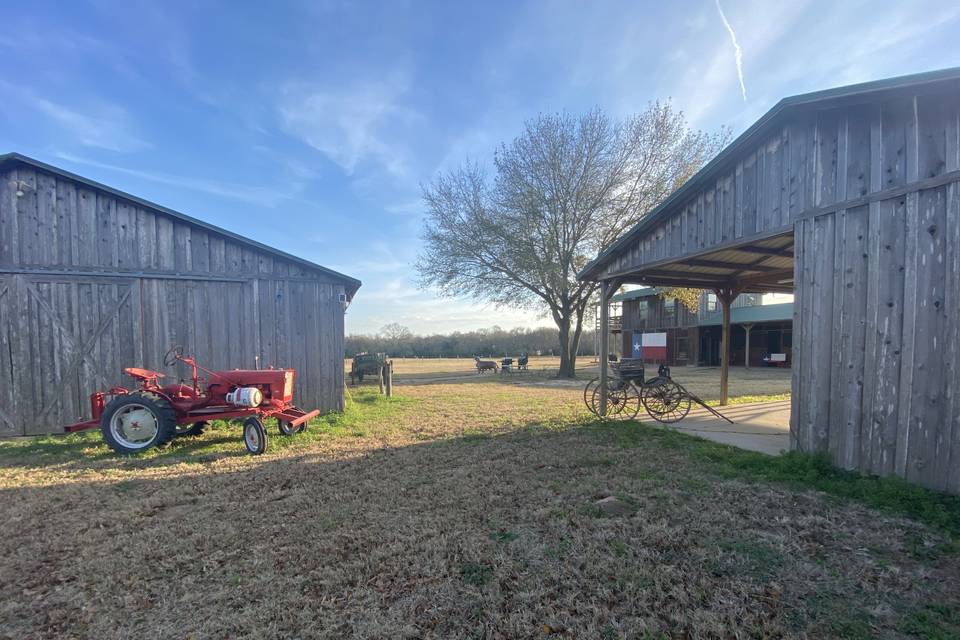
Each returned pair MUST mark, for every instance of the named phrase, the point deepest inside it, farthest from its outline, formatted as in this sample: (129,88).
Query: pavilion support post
(746,358)
(725,296)
(604,344)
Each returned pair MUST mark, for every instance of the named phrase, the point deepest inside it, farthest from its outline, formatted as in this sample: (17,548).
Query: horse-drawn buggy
(628,389)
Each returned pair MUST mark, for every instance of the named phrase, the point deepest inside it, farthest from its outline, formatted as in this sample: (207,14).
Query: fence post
(389,368)
(380,376)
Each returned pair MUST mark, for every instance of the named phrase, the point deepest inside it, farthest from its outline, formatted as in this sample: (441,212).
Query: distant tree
(397,338)
(561,192)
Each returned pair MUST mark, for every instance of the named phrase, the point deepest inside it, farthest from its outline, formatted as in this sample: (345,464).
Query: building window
(643,309)
(681,347)
(711,302)
(669,312)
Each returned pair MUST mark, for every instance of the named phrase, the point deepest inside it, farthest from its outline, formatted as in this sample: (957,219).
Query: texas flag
(650,346)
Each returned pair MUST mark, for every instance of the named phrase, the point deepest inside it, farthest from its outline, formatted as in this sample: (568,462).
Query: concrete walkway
(761,426)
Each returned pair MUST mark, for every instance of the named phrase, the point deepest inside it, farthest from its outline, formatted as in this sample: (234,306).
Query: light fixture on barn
(21,187)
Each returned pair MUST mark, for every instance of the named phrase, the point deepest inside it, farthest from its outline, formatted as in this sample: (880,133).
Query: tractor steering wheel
(173,354)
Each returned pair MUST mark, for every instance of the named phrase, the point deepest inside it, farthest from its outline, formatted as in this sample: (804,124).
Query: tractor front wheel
(255,435)
(137,421)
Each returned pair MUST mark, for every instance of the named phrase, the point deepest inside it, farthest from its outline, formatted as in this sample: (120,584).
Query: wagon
(366,364)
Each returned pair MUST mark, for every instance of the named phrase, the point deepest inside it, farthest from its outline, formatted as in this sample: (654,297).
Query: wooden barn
(93,280)
(850,199)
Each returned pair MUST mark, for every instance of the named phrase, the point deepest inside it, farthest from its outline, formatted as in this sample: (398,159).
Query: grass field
(745,384)
(465,510)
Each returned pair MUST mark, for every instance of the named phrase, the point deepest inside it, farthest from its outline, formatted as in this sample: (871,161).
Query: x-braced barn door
(8,420)
(69,337)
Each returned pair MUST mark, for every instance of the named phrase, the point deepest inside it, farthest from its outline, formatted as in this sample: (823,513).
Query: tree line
(399,342)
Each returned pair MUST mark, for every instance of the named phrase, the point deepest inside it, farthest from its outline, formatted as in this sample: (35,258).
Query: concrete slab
(761,426)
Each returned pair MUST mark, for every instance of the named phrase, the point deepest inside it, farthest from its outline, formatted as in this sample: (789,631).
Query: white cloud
(262,196)
(737,52)
(351,123)
(103,126)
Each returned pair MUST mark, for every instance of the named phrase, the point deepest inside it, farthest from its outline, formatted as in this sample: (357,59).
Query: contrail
(738,54)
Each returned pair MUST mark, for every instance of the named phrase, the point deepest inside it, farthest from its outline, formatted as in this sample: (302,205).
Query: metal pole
(604,346)
(746,359)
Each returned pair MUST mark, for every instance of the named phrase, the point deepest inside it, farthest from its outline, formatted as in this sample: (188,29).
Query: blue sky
(310,126)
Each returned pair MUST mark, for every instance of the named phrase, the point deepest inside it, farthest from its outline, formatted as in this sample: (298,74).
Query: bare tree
(560,193)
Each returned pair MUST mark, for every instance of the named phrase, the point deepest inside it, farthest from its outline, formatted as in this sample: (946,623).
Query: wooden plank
(820,326)
(904,455)
(871,442)
(28,218)
(218,261)
(9,224)
(890,315)
(854,274)
(87,228)
(200,248)
(48,240)
(147,243)
(67,233)
(927,419)
(106,231)
(166,258)
(182,250)
(747,197)
(895,117)
(128,255)
(952,299)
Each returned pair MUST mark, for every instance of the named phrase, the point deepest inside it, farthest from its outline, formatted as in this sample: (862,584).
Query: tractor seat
(143,374)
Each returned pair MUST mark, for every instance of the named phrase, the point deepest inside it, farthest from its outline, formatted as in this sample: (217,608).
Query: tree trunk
(567,359)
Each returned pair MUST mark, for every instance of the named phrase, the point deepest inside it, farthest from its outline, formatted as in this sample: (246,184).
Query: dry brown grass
(463,511)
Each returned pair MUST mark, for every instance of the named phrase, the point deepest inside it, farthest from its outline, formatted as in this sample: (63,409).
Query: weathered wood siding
(871,194)
(878,286)
(91,283)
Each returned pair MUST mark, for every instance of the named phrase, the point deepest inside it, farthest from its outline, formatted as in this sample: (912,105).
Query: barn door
(69,338)
(8,421)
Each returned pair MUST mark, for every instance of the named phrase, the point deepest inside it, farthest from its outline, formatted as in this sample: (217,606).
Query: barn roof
(817,100)
(352,284)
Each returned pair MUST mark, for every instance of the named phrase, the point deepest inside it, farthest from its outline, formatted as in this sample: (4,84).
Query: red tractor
(153,415)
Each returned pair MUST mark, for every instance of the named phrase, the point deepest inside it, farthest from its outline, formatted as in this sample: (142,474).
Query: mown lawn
(465,511)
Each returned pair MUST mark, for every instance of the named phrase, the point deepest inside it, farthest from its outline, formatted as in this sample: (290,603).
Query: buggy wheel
(623,401)
(665,401)
(137,421)
(255,435)
(191,430)
(588,395)
(287,429)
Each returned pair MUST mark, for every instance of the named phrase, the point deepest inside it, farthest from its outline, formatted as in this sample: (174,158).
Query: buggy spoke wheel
(665,401)
(588,395)
(623,401)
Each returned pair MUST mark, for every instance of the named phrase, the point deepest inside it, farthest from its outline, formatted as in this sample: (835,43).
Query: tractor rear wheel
(255,435)
(191,430)
(137,421)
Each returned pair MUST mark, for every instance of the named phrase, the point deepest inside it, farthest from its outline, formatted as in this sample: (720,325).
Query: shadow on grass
(365,407)
(395,489)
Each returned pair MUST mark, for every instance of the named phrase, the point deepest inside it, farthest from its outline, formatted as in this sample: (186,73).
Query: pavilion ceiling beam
(784,252)
(736,266)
